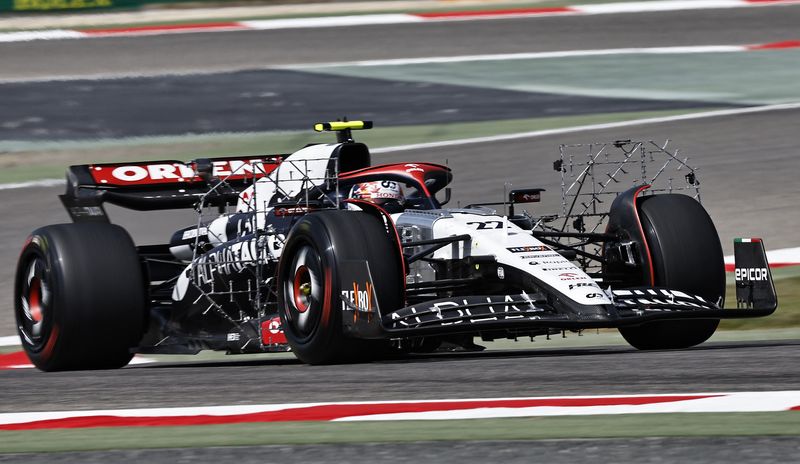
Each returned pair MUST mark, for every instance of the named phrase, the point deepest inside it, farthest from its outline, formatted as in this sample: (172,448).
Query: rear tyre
(687,256)
(79,297)
(309,283)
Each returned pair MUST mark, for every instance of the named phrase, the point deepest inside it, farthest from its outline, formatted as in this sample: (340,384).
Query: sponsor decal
(167,173)
(226,261)
(411,167)
(498,304)
(234,337)
(501,273)
(583,284)
(572,276)
(192,233)
(291,211)
(530,249)
(562,268)
(86,211)
(594,295)
(538,260)
(359,299)
(751,273)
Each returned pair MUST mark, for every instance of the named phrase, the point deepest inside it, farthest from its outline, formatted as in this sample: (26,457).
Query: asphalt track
(748,168)
(724,450)
(262,100)
(713,367)
(250,49)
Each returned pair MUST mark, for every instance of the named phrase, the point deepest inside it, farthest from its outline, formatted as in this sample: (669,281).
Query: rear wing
(158,185)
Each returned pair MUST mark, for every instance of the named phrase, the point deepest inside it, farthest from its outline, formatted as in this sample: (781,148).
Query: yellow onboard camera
(342,128)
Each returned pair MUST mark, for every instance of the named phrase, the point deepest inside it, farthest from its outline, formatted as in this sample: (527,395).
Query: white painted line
(658,6)
(331,21)
(33,183)
(528,56)
(11,340)
(780,257)
(52,34)
(733,402)
(589,127)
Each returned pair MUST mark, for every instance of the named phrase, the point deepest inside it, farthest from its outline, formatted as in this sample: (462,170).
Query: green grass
(787,314)
(24,161)
(605,426)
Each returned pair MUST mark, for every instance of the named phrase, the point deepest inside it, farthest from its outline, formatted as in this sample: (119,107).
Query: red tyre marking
(47,351)
(327,298)
(644,239)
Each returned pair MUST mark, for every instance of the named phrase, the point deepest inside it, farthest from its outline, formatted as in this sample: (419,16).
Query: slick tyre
(687,256)
(309,293)
(79,297)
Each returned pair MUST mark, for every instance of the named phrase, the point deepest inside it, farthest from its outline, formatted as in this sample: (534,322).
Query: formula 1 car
(299,263)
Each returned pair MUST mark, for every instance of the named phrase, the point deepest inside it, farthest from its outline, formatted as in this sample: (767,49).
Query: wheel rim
(35,298)
(304,292)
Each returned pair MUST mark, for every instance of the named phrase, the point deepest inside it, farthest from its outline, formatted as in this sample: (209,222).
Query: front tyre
(309,283)
(687,256)
(79,297)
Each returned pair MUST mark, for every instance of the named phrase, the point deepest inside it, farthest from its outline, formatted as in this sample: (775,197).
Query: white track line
(529,56)
(33,183)
(589,127)
(732,402)
(781,257)
(11,340)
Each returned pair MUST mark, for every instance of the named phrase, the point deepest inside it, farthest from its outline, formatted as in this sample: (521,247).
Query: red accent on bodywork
(176,172)
(504,12)
(644,239)
(269,336)
(416,173)
(337,411)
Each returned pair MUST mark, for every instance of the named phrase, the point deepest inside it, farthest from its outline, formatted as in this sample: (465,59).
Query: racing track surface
(713,367)
(237,50)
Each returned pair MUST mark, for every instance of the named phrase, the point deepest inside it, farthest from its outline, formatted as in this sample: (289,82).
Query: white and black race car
(302,264)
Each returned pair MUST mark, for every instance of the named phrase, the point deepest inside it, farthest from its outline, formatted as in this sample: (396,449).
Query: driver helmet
(384,193)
